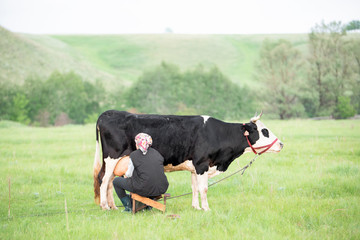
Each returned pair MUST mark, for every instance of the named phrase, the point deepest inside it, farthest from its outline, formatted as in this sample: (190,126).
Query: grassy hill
(23,55)
(127,56)
(120,59)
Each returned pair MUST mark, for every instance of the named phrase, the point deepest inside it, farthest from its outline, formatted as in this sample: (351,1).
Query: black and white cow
(203,145)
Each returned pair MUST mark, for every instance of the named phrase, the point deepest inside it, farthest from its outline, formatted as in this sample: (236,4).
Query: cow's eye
(265,132)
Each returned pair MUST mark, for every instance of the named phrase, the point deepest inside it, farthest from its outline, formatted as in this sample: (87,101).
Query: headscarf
(143,142)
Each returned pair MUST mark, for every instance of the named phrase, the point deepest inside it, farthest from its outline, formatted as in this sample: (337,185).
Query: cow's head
(261,137)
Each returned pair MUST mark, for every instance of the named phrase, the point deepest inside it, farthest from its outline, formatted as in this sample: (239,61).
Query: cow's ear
(247,127)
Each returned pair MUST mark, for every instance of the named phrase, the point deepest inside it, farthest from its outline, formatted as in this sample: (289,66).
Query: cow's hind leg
(110,195)
(195,191)
(202,181)
(109,175)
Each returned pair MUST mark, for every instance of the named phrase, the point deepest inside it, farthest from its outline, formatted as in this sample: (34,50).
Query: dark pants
(120,185)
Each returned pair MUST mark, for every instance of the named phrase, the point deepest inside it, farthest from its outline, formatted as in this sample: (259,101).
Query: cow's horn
(254,119)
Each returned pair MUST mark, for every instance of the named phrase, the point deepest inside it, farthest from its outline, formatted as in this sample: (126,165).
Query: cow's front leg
(202,181)
(109,169)
(195,191)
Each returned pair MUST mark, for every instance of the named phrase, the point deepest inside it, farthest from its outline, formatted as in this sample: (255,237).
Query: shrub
(344,109)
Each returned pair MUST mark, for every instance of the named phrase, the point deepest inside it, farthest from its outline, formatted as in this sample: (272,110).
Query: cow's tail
(97,169)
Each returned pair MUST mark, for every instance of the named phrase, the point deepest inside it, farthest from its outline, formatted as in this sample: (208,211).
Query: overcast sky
(182,16)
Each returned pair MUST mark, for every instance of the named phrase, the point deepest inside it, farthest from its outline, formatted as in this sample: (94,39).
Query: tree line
(62,98)
(65,98)
(325,82)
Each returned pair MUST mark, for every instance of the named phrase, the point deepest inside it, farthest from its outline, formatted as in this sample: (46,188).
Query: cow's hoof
(196,207)
(206,209)
(104,206)
(112,206)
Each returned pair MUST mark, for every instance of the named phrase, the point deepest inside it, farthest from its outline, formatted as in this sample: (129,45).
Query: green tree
(19,111)
(154,91)
(279,69)
(353,25)
(7,93)
(354,90)
(166,90)
(63,96)
(38,97)
(330,62)
(67,96)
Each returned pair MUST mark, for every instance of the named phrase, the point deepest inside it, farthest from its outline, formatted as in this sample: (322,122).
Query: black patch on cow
(265,132)
(253,131)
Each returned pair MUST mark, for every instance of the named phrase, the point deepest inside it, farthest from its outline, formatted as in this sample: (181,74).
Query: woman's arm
(130,170)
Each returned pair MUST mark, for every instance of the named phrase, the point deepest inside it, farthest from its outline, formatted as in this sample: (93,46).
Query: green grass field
(311,190)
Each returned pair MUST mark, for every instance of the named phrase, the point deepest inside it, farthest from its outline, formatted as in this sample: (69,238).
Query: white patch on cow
(195,192)
(97,156)
(248,150)
(205,117)
(110,165)
(96,170)
(263,141)
(213,172)
(199,183)
(202,181)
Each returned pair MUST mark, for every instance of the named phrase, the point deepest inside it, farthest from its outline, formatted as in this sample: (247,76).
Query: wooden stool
(149,202)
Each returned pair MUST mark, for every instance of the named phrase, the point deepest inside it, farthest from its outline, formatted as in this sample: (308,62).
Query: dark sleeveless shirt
(148,178)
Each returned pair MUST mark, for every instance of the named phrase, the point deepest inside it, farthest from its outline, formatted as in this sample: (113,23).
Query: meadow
(311,190)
